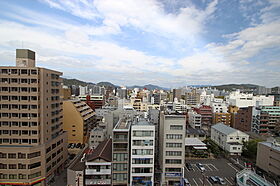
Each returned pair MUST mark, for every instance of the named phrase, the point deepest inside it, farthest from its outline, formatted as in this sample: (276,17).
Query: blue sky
(170,43)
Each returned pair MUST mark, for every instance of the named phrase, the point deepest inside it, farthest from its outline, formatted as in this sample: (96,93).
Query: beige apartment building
(268,157)
(78,118)
(32,142)
(172,147)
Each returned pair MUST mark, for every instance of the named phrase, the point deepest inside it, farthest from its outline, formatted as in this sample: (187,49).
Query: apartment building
(172,147)
(121,152)
(32,142)
(98,165)
(228,138)
(225,118)
(93,101)
(243,119)
(260,121)
(268,157)
(273,116)
(142,153)
(77,121)
(96,136)
(206,116)
(194,119)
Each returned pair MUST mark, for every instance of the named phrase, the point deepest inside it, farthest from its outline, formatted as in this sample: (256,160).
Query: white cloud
(147,15)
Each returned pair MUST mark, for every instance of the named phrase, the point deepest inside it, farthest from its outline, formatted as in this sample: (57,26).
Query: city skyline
(166,43)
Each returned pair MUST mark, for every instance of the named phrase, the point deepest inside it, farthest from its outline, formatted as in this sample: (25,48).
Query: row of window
(54,145)
(19,80)
(174,145)
(19,107)
(176,127)
(120,156)
(19,115)
(16,141)
(19,132)
(143,142)
(143,133)
(19,98)
(18,124)
(173,161)
(142,170)
(174,136)
(20,176)
(19,89)
(20,71)
(142,152)
(142,161)
(173,153)
(20,155)
(54,163)
(20,166)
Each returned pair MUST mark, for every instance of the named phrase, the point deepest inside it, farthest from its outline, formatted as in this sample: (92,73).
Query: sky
(170,43)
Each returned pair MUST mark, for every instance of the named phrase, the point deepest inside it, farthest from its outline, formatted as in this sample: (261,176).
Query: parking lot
(213,167)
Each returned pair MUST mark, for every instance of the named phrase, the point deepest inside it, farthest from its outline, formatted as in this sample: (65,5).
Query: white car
(200,166)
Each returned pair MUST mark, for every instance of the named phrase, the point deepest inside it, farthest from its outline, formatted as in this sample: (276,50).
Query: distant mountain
(107,84)
(149,87)
(69,82)
(236,86)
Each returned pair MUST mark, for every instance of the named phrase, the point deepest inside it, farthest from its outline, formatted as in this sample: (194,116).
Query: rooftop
(193,142)
(103,151)
(224,128)
(191,130)
(275,146)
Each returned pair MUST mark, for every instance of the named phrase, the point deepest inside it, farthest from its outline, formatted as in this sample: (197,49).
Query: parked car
(187,183)
(200,166)
(220,180)
(213,179)
(189,166)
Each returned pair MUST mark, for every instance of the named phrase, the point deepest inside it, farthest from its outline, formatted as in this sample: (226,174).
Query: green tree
(250,149)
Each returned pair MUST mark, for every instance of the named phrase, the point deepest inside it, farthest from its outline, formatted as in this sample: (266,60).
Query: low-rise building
(98,165)
(229,139)
(96,136)
(196,133)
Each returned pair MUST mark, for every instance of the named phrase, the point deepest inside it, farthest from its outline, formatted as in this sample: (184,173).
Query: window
(21,166)
(173,161)
(22,176)
(34,155)
(120,166)
(142,161)
(37,174)
(176,127)
(3,166)
(142,151)
(173,153)
(176,145)
(12,166)
(142,133)
(12,176)
(3,155)
(142,170)
(174,136)
(12,155)
(120,177)
(34,165)
(172,169)
(119,156)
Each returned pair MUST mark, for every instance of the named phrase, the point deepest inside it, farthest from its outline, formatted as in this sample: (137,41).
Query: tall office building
(32,142)
(172,148)
(142,153)
(120,151)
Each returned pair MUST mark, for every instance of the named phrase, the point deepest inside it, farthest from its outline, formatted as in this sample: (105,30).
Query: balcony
(98,182)
(99,172)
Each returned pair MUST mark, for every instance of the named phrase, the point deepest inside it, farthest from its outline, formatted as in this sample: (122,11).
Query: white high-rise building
(142,153)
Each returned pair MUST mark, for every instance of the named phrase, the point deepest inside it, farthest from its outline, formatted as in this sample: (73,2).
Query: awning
(200,148)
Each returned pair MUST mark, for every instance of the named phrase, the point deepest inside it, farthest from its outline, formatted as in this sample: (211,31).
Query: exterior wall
(33,118)
(194,120)
(172,165)
(231,142)
(222,117)
(268,157)
(98,172)
(243,119)
(139,144)
(96,136)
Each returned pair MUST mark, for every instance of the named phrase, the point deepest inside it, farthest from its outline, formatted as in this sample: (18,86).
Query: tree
(250,149)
